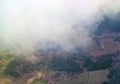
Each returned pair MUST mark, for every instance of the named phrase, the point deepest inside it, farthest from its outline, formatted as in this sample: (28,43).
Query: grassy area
(97,77)
(94,77)
(38,82)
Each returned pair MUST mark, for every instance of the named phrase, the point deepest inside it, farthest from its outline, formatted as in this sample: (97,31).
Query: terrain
(99,64)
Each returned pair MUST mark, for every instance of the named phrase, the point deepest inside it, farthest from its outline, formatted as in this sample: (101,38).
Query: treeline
(80,63)
(68,64)
(98,63)
(114,76)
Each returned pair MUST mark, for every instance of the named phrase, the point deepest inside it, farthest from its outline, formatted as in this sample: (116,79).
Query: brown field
(6,80)
(94,77)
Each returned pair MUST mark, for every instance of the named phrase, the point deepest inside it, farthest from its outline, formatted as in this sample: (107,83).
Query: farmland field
(95,77)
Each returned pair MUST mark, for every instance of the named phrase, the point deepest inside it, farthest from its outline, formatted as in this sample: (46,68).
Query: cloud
(67,24)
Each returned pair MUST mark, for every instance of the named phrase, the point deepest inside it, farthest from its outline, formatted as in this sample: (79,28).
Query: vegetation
(77,64)
(5,59)
(100,63)
(68,64)
(9,64)
(37,81)
(12,69)
(114,75)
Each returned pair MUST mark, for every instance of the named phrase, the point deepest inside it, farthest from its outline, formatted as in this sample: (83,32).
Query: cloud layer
(67,24)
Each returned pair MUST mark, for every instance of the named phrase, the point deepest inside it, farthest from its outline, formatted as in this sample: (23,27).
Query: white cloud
(69,23)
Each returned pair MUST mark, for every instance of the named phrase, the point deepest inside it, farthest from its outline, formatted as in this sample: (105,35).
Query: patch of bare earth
(105,44)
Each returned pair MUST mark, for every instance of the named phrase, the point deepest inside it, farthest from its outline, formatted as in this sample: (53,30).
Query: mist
(52,24)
